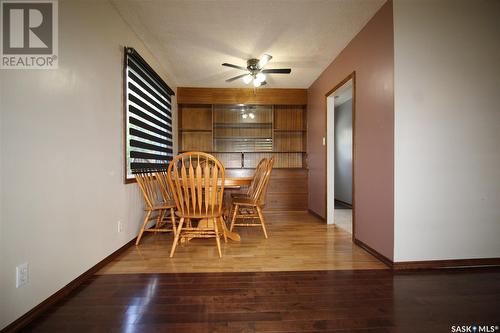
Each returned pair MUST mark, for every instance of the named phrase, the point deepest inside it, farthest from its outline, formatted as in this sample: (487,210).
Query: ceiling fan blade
(277,71)
(234,66)
(263,83)
(264,60)
(236,77)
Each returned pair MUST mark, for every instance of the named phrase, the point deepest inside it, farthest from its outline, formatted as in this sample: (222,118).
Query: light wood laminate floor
(343,219)
(297,241)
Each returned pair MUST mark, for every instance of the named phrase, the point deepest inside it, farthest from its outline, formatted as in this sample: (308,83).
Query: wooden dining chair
(259,172)
(251,205)
(197,183)
(156,200)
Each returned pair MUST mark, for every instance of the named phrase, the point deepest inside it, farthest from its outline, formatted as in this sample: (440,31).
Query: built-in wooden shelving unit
(241,134)
(210,120)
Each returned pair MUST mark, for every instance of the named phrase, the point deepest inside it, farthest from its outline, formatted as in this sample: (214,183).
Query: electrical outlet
(22,275)
(119,226)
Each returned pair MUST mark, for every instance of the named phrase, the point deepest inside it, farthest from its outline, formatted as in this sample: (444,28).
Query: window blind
(148,117)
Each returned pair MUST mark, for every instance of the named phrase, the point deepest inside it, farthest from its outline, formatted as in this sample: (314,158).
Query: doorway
(340,142)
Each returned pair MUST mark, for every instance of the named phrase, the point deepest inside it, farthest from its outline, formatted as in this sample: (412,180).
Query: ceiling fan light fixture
(244,116)
(251,115)
(264,60)
(247,78)
(254,72)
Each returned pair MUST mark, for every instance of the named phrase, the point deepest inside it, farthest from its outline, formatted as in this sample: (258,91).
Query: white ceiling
(191,38)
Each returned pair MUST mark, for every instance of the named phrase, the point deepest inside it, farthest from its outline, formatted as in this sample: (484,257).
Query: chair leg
(217,238)
(176,239)
(233,218)
(159,219)
(230,213)
(146,219)
(172,219)
(223,226)
(262,222)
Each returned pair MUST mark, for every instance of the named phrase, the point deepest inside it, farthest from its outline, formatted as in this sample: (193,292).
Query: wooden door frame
(330,92)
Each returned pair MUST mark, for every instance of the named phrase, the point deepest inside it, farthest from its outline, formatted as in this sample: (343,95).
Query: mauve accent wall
(371,55)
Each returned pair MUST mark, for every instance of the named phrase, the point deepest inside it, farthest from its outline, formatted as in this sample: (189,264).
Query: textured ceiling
(191,38)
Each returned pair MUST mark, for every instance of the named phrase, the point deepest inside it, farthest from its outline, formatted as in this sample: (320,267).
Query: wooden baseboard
(436,264)
(31,315)
(388,262)
(429,264)
(316,215)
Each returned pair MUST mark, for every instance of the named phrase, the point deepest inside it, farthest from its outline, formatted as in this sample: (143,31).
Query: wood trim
(429,264)
(349,77)
(188,95)
(388,262)
(338,85)
(237,181)
(124,125)
(454,263)
(316,215)
(213,126)
(38,310)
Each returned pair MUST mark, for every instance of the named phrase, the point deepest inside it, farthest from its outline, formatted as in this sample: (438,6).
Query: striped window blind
(148,117)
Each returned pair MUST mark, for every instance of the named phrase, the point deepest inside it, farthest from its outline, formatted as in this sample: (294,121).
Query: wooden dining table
(232,184)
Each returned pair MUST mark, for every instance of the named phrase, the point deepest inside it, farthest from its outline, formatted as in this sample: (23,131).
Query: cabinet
(212,120)
(239,135)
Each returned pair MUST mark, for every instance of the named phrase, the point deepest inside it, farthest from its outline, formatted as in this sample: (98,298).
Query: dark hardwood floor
(324,301)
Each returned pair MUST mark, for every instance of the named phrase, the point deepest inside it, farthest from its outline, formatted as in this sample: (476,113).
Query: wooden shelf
(243,125)
(289,152)
(194,130)
(239,138)
(289,130)
(250,152)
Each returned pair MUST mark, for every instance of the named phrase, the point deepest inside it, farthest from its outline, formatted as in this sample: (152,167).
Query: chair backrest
(162,178)
(196,180)
(259,172)
(261,193)
(150,188)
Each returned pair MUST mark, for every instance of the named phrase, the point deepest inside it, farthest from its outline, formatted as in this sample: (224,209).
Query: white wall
(343,152)
(447,129)
(62,158)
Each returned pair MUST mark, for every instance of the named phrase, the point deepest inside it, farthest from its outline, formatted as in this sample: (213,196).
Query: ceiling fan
(255,71)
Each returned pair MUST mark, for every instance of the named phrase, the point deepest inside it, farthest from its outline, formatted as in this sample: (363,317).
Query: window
(148,117)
